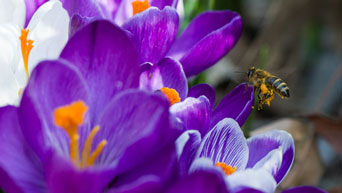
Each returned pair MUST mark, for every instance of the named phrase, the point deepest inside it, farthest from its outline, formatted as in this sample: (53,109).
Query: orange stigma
(171,95)
(228,170)
(26,46)
(69,118)
(140,6)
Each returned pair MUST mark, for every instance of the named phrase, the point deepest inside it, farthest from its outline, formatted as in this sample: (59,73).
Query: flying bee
(265,85)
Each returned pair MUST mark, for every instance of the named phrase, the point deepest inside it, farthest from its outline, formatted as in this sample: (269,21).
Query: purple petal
(304,189)
(187,146)
(236,105)
(163,3)
(271,162)
(153,32)
(20,169)
(86,8)
(150,78)
(168,73)
(150,184)
(136,125)
(208,37)
(203,181)
(226,143)
(260,145)
(251,179)
(52,84)
(162,166)
(106,58)
(31,7)
(203,89)
(63,176)
(194,113)
(173,76)
(77,22)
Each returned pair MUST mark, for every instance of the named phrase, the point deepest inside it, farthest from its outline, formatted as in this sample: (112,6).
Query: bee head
(250,72)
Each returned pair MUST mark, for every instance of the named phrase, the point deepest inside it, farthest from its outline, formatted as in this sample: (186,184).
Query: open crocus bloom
(260,162)
(83,124)
(209,37)
(22,49)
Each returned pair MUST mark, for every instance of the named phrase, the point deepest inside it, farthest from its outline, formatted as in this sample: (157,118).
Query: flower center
(26,46)
(139,6)
(227,169)
(171,95)
(69,118)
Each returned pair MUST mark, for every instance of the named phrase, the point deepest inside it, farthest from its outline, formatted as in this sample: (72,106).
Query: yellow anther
(140,6)
(70,117)
(26,46)
(171,95)
(227,169)
(264,89)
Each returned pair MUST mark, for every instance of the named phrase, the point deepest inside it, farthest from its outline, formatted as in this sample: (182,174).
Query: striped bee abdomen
(278,85)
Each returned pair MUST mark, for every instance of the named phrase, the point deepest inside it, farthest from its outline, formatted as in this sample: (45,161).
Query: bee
(265,85)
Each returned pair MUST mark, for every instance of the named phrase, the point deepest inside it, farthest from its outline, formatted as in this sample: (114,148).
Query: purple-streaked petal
(173,76)
(187,145)
(153,32)
(86,8)
(260,145)
(304,189)
(136,125)
(63,176)
(271,162)
(203,89)
(194,113)
(236,105)
(106,58)
(208,37)
(226,143)
(251,179)
(150,78)
(31,7)
(162,165)
(20,169)
(203,181)
(168,73)
(52,84)
(150,184)
(77,22)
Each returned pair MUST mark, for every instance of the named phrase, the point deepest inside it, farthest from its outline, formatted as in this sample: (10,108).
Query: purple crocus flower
(209,37)
(260,162)
(90,95)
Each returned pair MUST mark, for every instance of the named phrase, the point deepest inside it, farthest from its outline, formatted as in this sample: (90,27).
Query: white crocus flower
(48,29)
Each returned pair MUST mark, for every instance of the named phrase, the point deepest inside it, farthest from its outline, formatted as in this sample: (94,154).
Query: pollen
(227,169)
(140,6)
(69,118)
(26,46)
(264,89)
(171,95)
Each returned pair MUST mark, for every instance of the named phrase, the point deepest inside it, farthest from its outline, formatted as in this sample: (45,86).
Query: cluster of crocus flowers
(113,113)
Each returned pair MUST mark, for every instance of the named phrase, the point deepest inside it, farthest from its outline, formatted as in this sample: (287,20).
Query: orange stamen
(171,94)
(140,6)
(227,169)
(70,117)
(26,46)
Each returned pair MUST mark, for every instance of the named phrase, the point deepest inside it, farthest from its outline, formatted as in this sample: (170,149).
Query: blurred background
(300,42)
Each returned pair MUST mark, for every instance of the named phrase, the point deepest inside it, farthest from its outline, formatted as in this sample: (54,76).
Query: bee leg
(261,99)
